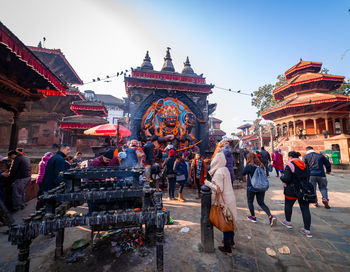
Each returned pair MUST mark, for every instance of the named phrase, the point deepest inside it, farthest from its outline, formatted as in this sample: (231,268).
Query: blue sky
(236,44)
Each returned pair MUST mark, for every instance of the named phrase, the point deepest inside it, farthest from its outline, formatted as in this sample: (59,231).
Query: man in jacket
(265,159)
(54,167)
(19,174)
(316,163)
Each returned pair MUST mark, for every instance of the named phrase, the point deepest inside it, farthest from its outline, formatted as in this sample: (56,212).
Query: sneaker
(252,218)
(325,203)
(273,220)
(315,204)
(307,233)
(287,224)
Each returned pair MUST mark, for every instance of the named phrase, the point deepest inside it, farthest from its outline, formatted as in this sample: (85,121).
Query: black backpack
(305,191)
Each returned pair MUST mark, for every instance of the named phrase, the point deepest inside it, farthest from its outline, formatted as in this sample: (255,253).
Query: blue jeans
(171,186)
(322,185)
(229,235)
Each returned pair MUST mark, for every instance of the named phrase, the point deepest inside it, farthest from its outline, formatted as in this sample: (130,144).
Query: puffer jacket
(230,162)
(295,171)
(42,166)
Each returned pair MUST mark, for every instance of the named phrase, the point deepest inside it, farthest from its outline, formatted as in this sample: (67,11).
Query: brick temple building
(309,113)
(169,104)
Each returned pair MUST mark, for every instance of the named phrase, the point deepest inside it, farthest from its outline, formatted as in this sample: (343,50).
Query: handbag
(180,178)
(216,215)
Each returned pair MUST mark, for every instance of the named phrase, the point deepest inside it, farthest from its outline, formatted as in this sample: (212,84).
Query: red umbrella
(108,130)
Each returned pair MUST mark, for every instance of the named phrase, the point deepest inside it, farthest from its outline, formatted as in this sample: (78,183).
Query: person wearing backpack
(294,176)
(316,163)
(253,163)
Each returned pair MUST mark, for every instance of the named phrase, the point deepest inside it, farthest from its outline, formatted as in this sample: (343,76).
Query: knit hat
(108,154)
(171,152)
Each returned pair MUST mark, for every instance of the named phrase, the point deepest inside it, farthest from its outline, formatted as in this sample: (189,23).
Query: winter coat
(52,177)
(221,177)
(249,170)
(42,166)
(265,156)
(230,162)
(169,166)
(193,171)
(148,148)
(295,171)
(315,162)
(20,168)
(277,160)
(131,157)
(180,168)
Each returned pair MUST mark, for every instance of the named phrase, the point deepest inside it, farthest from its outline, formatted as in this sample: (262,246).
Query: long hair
(252,159)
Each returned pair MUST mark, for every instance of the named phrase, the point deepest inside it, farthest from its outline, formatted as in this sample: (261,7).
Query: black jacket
(265,156)
(292,179)
(52,177)
(315,162)
(20,168)
(169,165)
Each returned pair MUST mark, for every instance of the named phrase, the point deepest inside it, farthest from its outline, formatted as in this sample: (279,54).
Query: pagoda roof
(303,67)
(79,122)
(89,108)
(217,132)
(244,126)
(24,76)
(57,62)
(331,82)
(76,92)
(215,120)
(108,99)
(307,103)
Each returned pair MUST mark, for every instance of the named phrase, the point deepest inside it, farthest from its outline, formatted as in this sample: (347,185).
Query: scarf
(298,162)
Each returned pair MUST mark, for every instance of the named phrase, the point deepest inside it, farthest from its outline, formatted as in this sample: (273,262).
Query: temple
(24,80)
(309,113)
(88,114)
(168,104)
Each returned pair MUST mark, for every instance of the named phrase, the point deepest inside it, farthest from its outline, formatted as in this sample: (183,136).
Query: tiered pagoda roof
(57,63)
(89,108)
(306,91)
(167,79)
(23,76)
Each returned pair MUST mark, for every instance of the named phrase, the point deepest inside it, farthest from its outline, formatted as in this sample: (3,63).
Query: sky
(240,45)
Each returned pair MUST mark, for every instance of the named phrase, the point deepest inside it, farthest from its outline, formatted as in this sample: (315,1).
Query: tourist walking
(180,169)
(19,175)
(221,182)
(168,169)
(230,162)
(54,167)
(252,164)
(265,159)
(296,171)
(277,162)
(316,163)
(198,172)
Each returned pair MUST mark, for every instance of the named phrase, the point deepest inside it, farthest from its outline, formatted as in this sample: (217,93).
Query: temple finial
(187,67)
(146,64)
(168,65)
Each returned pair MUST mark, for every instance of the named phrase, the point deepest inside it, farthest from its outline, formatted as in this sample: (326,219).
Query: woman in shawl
(221,182)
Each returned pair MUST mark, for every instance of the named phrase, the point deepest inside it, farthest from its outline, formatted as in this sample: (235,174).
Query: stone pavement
(328,250)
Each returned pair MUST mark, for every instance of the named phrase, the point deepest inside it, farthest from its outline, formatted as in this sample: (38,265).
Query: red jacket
(277,160)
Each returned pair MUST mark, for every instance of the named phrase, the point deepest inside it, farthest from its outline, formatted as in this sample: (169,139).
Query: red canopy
(108,130)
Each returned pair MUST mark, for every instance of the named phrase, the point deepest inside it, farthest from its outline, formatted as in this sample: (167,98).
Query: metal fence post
(207,233)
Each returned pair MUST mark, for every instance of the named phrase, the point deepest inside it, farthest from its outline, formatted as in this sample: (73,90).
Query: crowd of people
(170,168)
